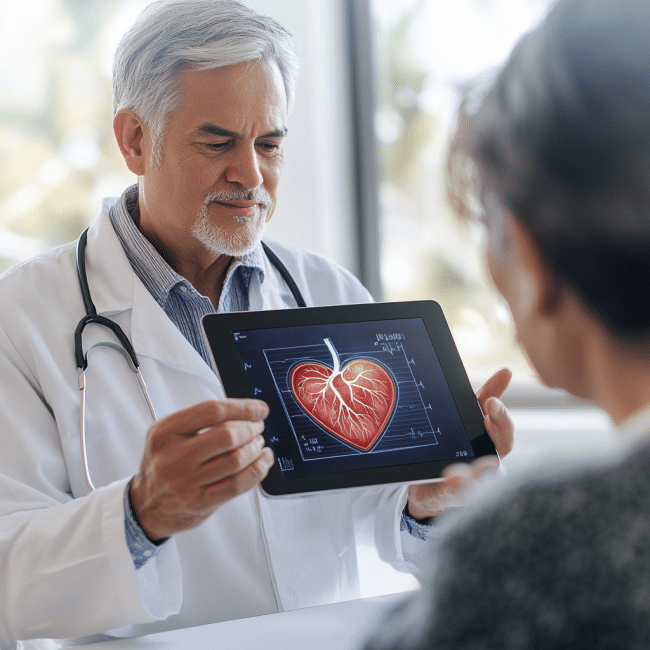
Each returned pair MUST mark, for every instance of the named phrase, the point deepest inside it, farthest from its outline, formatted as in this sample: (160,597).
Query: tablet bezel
(219,328)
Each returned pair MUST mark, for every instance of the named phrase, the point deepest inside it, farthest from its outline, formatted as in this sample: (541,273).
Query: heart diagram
(354,403)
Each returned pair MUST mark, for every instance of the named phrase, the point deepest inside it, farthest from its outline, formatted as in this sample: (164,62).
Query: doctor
(176,533)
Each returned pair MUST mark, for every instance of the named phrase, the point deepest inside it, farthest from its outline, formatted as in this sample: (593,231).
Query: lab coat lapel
(110,276)
(275,294)
(155,336)
(118,292)
(116,289)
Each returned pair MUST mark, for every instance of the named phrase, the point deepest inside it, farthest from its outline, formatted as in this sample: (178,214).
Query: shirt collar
(156,274)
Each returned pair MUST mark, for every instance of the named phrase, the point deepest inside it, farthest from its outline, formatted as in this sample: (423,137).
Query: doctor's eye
(217,146)
(270,147)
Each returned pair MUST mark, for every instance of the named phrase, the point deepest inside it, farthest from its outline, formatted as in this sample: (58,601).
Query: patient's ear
(539,290)
(130,135)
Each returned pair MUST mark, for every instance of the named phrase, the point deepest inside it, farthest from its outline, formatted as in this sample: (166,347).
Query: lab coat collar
(116,289)
(110,276)
(268,290)
(150,267)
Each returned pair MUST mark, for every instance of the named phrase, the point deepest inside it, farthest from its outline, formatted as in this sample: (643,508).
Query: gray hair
(170,35)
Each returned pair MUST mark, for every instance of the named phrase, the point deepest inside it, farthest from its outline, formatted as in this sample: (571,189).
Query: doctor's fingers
(236,472)
(228,488)
(498,422)
(219,440)
(439,496)
(460,477)
(500,426)
(188,480)
(202,416)
(180,459)
(495,386)
(223,465)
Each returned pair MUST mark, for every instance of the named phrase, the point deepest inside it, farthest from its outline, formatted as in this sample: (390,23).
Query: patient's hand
(432,499)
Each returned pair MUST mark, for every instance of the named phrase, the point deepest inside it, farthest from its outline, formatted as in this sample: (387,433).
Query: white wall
(315,208)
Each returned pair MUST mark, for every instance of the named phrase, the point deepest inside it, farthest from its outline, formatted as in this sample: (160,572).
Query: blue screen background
(425,424)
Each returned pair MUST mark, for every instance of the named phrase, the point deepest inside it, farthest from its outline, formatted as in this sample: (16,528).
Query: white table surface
(327,627)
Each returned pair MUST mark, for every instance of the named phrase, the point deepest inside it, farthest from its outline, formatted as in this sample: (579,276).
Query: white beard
(220,241)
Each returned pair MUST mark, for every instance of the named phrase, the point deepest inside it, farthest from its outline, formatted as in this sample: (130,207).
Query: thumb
(499,425)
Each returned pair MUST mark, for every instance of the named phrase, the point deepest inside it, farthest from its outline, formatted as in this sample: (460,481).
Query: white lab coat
(65,569)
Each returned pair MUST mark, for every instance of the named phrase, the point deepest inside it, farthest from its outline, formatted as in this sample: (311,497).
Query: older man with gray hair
(148,527)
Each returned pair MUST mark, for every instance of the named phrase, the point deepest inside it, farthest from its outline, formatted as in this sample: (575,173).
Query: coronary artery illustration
(354,403)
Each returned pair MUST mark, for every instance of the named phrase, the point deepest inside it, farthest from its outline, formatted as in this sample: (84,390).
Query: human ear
(538,288)
(129,132)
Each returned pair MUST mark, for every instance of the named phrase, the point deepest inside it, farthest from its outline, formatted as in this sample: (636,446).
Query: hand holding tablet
(358,394)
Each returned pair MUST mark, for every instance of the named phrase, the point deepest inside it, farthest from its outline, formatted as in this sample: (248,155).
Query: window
(57,153)
(426,51)
(58,157)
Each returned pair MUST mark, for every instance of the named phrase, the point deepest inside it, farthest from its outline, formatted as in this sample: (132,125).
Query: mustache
(258,194)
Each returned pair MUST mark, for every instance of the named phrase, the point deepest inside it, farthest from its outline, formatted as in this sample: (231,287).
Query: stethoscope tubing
(82,413)
(125,347)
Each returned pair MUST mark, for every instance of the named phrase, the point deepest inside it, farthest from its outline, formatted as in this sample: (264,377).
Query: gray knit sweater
(561,561)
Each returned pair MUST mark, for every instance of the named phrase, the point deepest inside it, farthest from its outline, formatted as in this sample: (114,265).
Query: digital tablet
(358,394)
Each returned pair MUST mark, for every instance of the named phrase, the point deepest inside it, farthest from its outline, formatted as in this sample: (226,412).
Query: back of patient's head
(562,140)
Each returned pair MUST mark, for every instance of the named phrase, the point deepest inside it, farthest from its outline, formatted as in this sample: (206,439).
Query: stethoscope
(125,347)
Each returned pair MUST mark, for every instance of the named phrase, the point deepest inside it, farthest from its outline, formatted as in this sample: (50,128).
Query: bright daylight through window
(57,152)
(58,156)
(427,51)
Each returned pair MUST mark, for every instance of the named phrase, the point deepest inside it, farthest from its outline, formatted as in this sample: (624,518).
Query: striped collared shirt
(184,305)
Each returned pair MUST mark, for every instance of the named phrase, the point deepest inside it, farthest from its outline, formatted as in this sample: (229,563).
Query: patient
(558,153)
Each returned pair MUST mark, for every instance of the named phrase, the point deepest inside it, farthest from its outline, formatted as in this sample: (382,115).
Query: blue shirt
(185,306)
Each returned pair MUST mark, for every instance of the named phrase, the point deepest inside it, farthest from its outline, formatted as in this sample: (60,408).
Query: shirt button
(147,553)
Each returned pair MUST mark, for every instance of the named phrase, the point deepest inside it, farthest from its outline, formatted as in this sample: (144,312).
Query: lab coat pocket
(311,547)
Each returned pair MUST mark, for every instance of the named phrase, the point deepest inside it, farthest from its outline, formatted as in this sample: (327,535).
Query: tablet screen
(352,396)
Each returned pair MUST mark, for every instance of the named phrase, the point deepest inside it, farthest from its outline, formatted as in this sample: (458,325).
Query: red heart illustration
(354,404)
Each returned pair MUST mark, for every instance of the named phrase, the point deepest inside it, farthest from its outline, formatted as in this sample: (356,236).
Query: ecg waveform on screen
(380,380)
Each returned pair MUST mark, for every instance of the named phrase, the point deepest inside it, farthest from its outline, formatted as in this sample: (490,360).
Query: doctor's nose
(244,168)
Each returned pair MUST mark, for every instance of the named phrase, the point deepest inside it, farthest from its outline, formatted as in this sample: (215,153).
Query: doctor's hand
(196,460)
(433,499)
